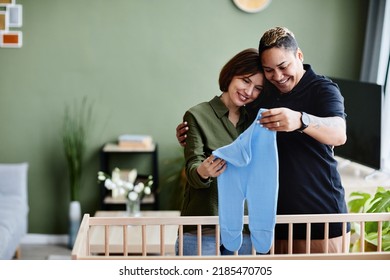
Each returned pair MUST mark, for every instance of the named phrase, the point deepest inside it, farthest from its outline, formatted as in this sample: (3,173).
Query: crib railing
(82,247)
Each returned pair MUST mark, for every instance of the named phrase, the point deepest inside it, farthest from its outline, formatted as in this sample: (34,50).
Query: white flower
(101,176)
(116,175)
(147,190)
(139,187)
(126,188)
(132,176)
(133,196)
(109,184)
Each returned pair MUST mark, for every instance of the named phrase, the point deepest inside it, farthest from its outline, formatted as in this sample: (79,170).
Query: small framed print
(4,3)
(11,39)
(15,16)
(4,20)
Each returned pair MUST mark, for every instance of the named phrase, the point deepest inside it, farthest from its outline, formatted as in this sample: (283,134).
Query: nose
(278,75)
(249,89)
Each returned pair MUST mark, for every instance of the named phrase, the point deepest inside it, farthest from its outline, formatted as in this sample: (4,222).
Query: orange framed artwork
(7,2)
(11,39)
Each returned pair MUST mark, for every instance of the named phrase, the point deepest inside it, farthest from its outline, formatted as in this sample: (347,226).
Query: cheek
(254,96)
(268,76)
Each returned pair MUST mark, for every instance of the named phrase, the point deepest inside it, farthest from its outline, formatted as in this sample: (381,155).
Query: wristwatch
(305,120)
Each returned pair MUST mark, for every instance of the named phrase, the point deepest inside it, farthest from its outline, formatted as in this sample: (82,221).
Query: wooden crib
(135,232)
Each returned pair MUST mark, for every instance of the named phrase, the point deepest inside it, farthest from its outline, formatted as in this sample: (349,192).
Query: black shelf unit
(112,153)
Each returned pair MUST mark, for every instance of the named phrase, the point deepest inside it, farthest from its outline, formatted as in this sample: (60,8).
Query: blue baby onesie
(251,174)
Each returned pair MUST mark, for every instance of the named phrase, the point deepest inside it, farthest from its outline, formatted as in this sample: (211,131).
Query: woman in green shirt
(212,125)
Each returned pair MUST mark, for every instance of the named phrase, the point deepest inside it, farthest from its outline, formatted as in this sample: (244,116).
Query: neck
(229,104)
(234,110)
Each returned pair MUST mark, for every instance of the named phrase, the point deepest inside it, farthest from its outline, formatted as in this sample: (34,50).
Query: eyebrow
(280,64)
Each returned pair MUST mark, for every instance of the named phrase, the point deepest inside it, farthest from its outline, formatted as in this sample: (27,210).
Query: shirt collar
(221,110)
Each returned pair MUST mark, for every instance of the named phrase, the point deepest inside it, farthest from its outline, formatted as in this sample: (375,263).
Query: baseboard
(36,238)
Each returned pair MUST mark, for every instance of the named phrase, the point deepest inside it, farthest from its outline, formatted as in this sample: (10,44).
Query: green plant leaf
(358,202)
(380,202)
(75,132)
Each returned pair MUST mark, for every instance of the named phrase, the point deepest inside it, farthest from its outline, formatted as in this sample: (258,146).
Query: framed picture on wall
(11,39)
(4,20)
(15,16)
(4,3)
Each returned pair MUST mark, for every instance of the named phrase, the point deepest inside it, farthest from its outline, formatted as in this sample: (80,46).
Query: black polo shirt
(309,182)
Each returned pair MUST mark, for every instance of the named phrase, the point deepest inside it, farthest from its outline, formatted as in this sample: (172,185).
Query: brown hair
(246,62)
(278,37)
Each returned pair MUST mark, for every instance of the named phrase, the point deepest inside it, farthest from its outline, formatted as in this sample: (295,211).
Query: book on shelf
(135,141)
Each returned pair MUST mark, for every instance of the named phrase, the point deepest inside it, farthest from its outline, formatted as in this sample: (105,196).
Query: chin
(285,89)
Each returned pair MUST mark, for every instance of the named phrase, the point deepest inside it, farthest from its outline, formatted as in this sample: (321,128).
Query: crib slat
(362,233)
(162,240)
(308,238)
(290,238)
(106,240)
(144,253)
(217,240)
(125,242)
(344,239)
(326,237)
(199,238)
(379,247)
(180,240)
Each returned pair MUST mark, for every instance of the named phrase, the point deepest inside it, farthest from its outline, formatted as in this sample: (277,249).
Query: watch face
(305,119)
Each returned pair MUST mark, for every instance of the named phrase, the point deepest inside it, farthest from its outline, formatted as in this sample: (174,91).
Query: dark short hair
(278,37)
(246,62)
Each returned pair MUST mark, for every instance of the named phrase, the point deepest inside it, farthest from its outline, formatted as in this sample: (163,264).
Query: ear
(300,54)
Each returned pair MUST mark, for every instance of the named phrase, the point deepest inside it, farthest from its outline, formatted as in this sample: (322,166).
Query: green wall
(142,63)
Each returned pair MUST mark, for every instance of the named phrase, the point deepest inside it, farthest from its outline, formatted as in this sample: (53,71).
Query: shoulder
(198,110)
(319,81)
(320,85)
(325,93)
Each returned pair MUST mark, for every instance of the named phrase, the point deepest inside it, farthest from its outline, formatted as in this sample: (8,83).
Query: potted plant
(366,203)
(75,128)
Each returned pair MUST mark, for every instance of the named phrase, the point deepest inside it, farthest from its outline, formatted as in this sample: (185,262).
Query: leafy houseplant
(75,128)
(364,202)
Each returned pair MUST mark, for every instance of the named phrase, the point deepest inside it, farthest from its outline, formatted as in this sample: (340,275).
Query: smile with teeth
(243,98)
(282,82)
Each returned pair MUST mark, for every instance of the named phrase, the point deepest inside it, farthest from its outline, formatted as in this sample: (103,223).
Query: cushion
(13,207)
(13,179)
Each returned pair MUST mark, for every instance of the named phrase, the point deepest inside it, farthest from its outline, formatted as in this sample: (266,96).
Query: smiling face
(245,89)
(283,67)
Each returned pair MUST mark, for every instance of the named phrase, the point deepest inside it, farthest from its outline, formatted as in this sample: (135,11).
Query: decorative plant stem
(75,128)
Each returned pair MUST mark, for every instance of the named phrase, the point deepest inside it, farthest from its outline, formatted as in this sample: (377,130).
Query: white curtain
(385,145)
(375,66)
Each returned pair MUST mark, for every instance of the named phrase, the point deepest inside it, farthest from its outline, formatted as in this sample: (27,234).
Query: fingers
(181,126)
(274,119)
(212,167)
(181,129)
(181,133)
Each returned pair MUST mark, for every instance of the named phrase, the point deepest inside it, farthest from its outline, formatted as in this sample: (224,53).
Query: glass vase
(133,207)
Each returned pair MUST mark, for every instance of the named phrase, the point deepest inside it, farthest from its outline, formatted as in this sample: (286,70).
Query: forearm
(329,130)
(194,179)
